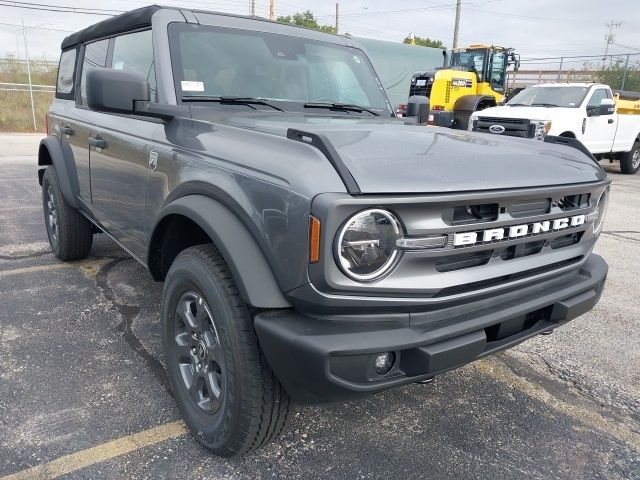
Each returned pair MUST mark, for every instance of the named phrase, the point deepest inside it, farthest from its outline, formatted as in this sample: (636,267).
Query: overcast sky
(536,28)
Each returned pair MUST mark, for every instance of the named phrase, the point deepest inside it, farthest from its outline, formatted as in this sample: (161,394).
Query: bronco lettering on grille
(515,231)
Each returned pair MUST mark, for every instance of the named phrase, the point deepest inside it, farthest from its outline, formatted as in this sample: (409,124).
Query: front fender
(52,152)
(253,275)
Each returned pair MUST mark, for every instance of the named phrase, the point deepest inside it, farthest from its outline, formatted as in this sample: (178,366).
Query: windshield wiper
(230,100)
(544,105)
(340,106)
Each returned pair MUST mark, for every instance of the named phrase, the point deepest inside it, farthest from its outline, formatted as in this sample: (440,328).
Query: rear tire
(630,161)
(227,393)
(69,232)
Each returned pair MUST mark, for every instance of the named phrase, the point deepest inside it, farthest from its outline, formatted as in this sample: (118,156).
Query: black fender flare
(64,166)
(251,271)
(469,103)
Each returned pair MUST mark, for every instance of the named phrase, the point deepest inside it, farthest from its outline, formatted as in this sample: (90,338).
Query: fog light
(384,362)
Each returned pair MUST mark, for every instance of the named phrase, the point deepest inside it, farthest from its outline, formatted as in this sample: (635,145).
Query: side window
(134,53)
(496,75)
(66,71)
(597,97)
(95,56)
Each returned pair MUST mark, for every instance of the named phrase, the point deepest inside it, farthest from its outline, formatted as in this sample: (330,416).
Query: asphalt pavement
(83,392)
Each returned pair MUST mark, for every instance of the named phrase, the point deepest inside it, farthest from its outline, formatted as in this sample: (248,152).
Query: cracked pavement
(81,365)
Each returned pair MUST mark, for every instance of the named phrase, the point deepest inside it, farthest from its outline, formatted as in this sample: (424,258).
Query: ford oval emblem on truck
(496,129)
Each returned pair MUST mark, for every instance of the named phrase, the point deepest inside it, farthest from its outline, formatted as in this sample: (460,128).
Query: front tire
(70,233)
(228,395)
(630,161)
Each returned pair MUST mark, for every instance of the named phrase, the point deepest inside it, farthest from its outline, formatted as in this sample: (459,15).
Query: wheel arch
(568,134)
(470,103)
(50,152)
(202,219)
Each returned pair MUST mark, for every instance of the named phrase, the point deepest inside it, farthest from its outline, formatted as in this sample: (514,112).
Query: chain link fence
(26,91)
(620,71)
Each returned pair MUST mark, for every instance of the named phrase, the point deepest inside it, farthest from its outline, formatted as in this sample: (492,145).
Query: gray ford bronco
(312,246)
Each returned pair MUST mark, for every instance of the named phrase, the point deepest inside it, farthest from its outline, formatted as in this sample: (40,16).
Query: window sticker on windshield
(356,59)
(190,86)
(118,65)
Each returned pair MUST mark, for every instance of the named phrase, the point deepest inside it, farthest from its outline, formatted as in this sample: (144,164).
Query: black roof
(140,18)
(135,19)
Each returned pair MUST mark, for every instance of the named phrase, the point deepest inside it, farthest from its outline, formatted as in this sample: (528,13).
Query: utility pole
(609,37)
(337,19)
(26,51)
(457,25)
(253,8)
(272,9)
(624,75)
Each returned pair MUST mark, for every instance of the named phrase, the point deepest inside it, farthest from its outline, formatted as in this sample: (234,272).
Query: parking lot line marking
(56,266)
(106,451)
(621,432)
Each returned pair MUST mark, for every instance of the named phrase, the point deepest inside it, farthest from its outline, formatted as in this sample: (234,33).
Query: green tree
(424,42)
(613,74)
(306,20)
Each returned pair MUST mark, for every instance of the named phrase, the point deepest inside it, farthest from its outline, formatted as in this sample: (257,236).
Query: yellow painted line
(615,429)
(89,266)
(106,451)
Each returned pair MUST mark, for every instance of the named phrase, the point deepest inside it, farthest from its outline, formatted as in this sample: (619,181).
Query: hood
(530,113)
(384,155)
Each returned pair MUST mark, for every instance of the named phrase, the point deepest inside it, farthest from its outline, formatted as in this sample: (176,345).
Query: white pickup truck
(607,124)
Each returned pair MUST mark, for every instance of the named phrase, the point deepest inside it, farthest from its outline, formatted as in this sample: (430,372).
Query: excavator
(475,79)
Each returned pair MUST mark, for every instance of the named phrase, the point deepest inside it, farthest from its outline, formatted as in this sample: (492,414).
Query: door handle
(97,142)
(611,120)
(67,130)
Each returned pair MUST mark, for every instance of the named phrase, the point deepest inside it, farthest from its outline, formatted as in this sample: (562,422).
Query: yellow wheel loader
(475,79)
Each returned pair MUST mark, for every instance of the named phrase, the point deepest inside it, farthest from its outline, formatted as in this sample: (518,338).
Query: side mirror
(115,91)
(418,106)
(607,107)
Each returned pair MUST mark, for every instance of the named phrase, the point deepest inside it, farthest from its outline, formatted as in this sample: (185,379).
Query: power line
(55,8)
(28,27)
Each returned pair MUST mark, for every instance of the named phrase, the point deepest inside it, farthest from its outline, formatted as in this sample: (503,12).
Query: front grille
(497,281)
(460,262)
(566,240)
(513,127)
(422,90)
(530,208)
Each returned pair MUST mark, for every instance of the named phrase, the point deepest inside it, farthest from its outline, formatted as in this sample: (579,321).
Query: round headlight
(601,210)
(366,245)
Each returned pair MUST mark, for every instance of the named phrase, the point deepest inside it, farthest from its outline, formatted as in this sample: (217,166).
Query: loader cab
(489,63)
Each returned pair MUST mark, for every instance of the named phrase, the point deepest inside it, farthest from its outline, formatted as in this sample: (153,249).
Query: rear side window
(95,56)
(134,53)
(66,74)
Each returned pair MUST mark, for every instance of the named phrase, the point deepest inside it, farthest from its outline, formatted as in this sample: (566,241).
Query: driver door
(599,130)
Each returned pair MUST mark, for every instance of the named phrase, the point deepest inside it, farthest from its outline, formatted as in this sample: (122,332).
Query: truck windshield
(568,97)
(287,71)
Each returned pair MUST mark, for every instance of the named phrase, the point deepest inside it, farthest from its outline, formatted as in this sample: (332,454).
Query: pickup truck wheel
(70,233)
(630,161)
(228,395)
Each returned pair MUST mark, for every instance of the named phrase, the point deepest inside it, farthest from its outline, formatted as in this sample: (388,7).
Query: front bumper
(324,359)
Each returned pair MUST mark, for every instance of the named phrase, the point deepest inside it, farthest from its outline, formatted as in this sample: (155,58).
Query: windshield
(225,62)
(569,97)
(471,60)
